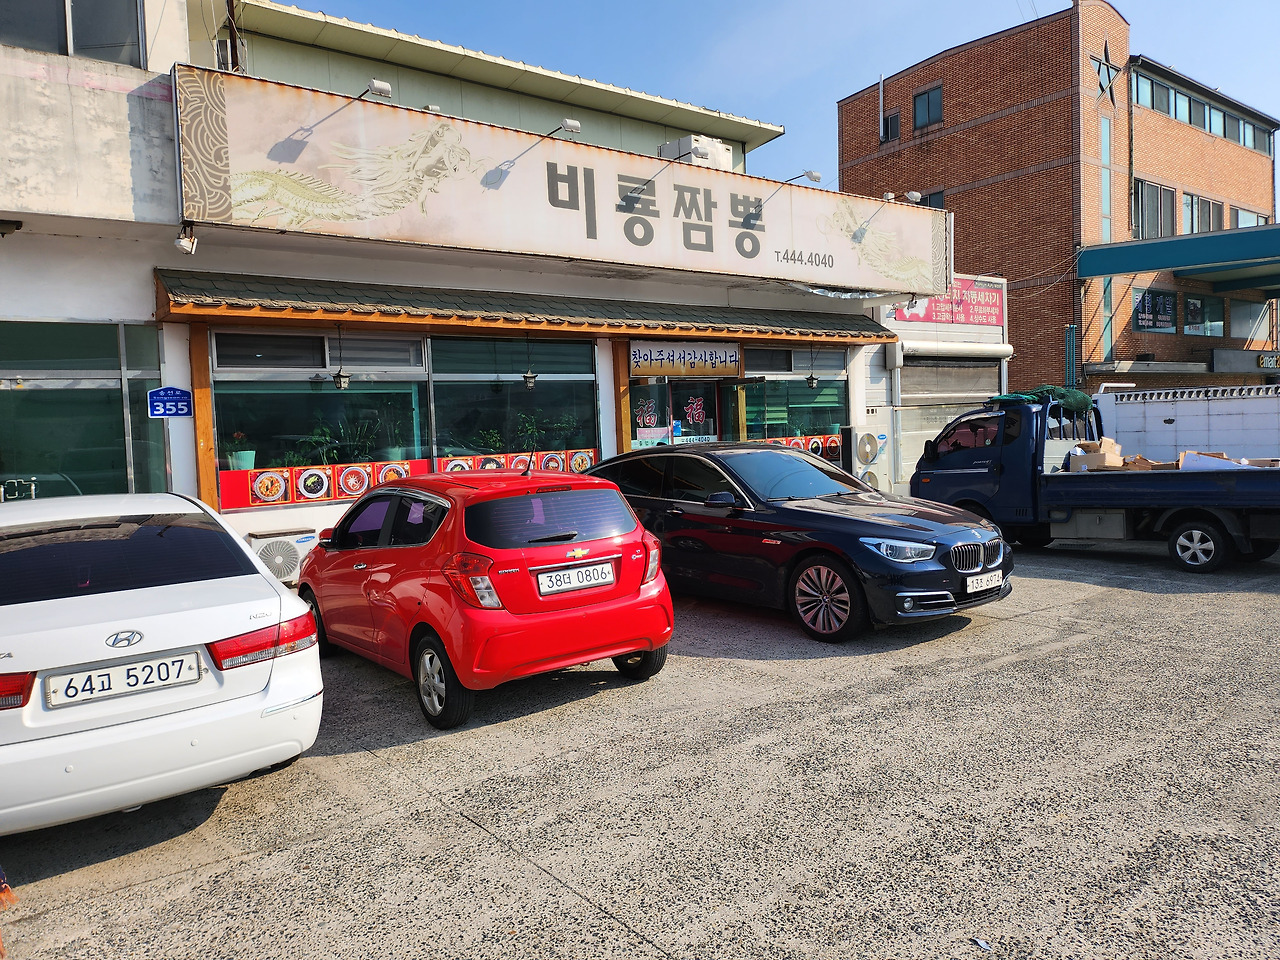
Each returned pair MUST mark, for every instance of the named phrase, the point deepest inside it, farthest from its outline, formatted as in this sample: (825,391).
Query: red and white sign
(967,301)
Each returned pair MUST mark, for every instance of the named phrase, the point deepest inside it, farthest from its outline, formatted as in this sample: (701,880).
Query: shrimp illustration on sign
(695,410)
(390,178)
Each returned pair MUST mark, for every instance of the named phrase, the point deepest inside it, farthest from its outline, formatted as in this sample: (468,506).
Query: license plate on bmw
(984,581)
(575,578)
(122,679)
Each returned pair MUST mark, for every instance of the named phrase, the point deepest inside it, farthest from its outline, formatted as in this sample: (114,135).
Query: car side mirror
(722,498)
(325,539)
(930,450)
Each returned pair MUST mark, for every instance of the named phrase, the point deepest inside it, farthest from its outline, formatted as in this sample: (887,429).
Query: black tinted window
(695,480)
(416,522)
(637,478)
(365,525)
(563,516)
(781,474)
(110,554)
(970,434)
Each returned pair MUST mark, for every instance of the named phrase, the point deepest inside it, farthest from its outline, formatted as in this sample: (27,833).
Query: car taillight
(654,549)
(15,689)
(469,574)
(265,644)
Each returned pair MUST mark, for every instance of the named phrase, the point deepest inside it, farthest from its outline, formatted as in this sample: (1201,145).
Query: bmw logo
(125,638)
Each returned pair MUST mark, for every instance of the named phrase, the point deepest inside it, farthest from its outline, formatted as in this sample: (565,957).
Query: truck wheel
(1200,546)
(1262,549)
(826,598)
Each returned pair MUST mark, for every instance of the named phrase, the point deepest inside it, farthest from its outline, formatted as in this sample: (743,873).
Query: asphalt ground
(1086,769)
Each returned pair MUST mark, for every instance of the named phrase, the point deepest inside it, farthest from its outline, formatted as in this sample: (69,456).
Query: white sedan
(144,653)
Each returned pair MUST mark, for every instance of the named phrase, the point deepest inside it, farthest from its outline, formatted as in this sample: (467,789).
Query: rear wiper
(553,537)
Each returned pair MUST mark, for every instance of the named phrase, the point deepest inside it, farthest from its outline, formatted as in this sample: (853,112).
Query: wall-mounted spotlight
(567,125)
(813,175)
(9,226)
(378,88)
(186,239)
(915,196)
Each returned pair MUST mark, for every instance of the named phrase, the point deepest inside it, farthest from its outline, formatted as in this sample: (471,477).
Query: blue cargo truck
(1009,462)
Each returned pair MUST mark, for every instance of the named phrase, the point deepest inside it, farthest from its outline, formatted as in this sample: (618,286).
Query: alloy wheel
(822,599)
(1196,548)
(431,682)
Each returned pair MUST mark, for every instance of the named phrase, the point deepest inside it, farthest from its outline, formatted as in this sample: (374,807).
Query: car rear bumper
(64,778)
(490,647)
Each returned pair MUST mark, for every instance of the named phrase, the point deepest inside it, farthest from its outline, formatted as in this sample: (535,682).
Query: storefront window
(503,416)
(791,408)
(493,357)
(63,424)
(294,424)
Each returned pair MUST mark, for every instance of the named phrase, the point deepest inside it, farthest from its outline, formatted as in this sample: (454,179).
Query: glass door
(694,411)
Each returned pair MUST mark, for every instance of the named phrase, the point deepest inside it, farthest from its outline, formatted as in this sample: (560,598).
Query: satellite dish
(868,448)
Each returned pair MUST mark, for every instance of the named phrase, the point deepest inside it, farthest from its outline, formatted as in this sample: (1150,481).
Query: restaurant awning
(280,301)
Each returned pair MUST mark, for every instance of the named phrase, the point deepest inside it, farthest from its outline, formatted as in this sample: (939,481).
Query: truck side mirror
(930,450)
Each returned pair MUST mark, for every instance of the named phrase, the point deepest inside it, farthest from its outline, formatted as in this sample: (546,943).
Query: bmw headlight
(900,551)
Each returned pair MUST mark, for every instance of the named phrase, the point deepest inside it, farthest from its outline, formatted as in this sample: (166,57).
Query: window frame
(891,126)
(1138,210)
(928,98)
(68,38)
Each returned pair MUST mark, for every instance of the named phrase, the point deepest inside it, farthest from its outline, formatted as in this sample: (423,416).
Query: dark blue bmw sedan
(778,527)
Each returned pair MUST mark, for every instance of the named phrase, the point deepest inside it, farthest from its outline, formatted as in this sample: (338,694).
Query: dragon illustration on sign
(393,177)
(878,249)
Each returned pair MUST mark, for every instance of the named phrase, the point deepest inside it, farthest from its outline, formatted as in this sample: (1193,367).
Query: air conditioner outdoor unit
(282,551)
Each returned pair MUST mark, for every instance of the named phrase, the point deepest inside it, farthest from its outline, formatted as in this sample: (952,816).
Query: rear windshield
(109,554)
(565,516)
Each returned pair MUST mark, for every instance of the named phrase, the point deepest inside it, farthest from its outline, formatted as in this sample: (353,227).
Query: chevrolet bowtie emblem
(576,553)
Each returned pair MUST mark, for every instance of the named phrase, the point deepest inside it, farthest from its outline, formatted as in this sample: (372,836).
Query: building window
(1203,317)
(1153,211)
(1181,106)
(932,200)
(102,30)
(1244,218)
(1200,215)
(1108,314)
(928,108)
(891,129)
(1250,321)
(1217,122)
(1198,113)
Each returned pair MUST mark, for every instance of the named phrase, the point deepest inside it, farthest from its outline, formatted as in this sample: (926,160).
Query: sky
(789,63)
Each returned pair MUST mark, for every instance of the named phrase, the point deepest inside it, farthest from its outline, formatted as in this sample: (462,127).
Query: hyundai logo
(125,638)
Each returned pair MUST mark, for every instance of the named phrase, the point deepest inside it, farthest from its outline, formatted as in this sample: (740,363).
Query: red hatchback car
(465,580)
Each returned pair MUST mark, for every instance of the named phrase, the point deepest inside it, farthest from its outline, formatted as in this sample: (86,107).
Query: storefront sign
(653,358)
(1269,361)
(168,402)
(1155,312)
(966,301)
(255,153)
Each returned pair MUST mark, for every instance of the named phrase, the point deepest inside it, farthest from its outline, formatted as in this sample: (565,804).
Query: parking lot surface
(1087,769)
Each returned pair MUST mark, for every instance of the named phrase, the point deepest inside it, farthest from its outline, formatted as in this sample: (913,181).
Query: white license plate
(575,578)
(103,683)
(984,581)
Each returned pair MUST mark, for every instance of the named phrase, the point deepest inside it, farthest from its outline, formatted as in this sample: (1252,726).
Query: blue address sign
(169,402)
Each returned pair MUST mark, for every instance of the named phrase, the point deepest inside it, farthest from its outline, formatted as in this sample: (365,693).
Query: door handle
(675,512)
(359,566)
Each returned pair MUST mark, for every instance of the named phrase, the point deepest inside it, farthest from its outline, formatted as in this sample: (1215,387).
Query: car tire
(826,599)
(642,664)
(1200,546)
(326,648)
(445,702)
(1261,550)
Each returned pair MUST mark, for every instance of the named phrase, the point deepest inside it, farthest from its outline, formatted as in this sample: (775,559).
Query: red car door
(341,591)
(397,573)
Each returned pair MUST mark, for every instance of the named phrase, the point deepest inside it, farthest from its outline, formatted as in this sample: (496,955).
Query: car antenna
(528,467)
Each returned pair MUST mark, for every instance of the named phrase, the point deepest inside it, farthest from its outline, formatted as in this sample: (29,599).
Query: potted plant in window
(240,455)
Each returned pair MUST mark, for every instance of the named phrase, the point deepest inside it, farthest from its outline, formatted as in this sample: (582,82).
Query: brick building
(1050,137)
